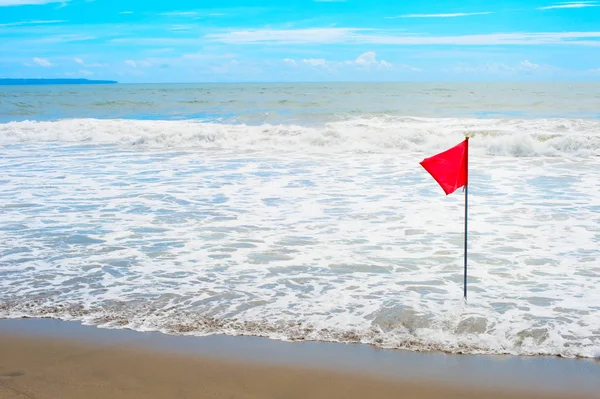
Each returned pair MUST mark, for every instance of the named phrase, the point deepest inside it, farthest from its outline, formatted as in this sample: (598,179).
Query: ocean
(300,212)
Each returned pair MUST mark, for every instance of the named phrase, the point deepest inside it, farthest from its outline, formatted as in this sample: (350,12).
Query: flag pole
(466,208)
(451,170)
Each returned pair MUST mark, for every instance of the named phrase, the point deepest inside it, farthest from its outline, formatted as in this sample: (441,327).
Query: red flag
(450,168)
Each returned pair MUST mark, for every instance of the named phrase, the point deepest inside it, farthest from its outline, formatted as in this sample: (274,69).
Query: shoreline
(392,369)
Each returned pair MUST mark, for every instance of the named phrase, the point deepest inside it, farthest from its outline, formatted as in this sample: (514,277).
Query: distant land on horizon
(31,82)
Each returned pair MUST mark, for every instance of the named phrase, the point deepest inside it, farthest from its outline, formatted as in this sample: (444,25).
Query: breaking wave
(517,138)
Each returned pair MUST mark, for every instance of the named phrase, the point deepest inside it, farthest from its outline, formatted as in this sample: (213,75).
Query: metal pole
(466,208)
(466,201)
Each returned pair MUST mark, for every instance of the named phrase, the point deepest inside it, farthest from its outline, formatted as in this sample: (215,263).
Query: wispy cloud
(93,65)
(207,56)
(571,4)
(42,62)
(316,62)
(450,15)
(372,36)
(288,36)
(66,38)
(177,28)
(126,12)
(35,22)
(179,14)
(194,14)
(495,68)
(157,41)
(367,60)
(4,3)
(139,63)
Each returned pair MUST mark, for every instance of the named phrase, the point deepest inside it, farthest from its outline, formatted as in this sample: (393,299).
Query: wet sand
(52,359)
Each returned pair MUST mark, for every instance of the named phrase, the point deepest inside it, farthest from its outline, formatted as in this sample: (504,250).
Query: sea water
(300,212)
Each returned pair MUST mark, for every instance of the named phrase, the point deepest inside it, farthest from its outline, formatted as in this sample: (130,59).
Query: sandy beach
(49,368)
(72,361)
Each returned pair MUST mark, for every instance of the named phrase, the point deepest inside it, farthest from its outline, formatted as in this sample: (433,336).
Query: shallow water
(322,229)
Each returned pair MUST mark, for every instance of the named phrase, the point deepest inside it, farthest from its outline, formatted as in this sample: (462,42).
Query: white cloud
(527,65)
(36,22)
(315,61)
(42,62)
(82,62)
(372,36)
(85,73)
(485,68)
(28,2)
(451,15)
(198,60)
(369,59)
(311,62)
(364,61)
(571,4)
(126,12)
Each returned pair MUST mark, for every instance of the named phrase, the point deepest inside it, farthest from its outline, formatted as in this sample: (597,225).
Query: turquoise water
(259,103)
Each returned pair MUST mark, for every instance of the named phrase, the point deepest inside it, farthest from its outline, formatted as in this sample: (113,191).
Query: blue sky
(301,40)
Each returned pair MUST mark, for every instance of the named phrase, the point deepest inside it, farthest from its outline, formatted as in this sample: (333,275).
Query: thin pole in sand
(466,209)
(466,200)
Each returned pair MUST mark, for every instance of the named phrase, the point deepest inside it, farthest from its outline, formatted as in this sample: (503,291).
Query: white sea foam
(527,137)
(332,233)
